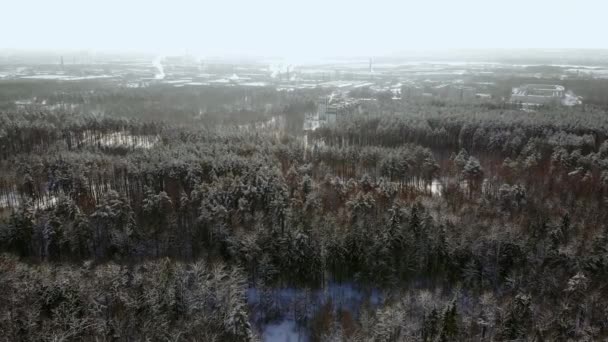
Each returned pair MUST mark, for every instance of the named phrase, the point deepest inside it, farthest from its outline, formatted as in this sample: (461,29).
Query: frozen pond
(281,314)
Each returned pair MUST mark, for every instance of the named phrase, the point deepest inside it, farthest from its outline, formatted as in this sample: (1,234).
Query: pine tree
(430,326)
(449,329)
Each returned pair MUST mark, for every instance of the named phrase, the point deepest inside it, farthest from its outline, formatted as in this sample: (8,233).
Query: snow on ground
(286,304)
(285,331)
(13,201)
(9,200)
(185,81)
(66,77)
(254,84)
(436,188)
(125,139)
(571,100)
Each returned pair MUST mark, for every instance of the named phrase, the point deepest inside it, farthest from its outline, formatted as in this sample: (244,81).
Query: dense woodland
(476,222)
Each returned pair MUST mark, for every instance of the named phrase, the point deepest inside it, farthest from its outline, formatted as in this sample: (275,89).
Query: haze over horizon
(300,30)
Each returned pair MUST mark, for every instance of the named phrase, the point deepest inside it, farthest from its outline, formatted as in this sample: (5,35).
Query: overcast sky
(304,28)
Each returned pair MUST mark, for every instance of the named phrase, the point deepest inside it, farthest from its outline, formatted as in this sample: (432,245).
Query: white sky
(302,28)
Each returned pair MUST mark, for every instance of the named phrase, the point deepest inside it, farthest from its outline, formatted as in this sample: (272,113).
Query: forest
(168,214)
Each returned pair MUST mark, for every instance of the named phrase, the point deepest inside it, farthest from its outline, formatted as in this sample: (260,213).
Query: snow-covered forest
(157,214)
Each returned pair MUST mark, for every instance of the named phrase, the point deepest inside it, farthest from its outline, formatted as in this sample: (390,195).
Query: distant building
(441,91)
(329,110)
(483,96)
(538,94)
(455,92)
(411,92)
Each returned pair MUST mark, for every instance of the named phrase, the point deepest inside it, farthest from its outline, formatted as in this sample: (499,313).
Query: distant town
(345,82)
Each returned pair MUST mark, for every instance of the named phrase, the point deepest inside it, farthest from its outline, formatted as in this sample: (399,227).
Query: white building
(538,94)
